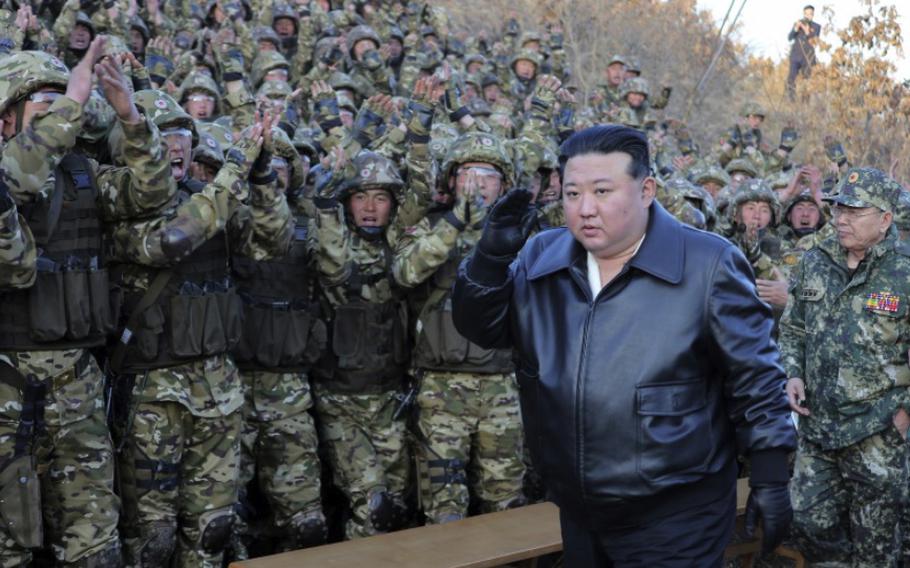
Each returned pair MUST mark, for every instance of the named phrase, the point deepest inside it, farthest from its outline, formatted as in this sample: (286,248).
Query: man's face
(277,74)
(755,121)
(737,179)
(362,47)
(616,73)
(474,67)
(553,190)
(635,100)
(712,187)
(431,42)
(525,69)
(492,93)
(533,45)
(179,150)
(80,37)
(395,48)
(606,208)
(470,92)
(486,176)
(804,215)
(755,214)
(199,105)
(809,13)
(266,45)
(284,27)
(858,228)
(371,208)
(137,42)
(35,103)
(203,171)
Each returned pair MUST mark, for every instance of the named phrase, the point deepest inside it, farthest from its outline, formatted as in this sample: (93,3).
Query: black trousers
(798,67)
(693,538)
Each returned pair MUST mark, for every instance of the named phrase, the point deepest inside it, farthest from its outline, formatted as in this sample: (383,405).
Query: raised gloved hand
(789,137)
(834,151)
(771,503)
(735,137)
(509,224)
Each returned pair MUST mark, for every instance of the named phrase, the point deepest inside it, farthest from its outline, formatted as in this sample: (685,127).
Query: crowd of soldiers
(228,235)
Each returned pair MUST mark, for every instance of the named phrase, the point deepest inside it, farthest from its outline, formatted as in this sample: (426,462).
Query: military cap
(742,165)
(866,187)
(757,190)
(373,171)
(25,72)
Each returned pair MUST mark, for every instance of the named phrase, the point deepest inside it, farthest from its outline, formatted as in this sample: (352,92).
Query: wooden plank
(477,542)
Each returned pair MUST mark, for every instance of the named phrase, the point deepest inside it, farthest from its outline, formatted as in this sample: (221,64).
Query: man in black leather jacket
(644,362)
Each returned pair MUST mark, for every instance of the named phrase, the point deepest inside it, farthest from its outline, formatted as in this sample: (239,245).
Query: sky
(764,24)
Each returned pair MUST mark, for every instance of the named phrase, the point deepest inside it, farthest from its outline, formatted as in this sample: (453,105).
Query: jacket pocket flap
(671,399)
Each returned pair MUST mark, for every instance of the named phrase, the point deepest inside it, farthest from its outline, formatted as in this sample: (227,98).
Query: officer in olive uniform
(56,460)
(469,426)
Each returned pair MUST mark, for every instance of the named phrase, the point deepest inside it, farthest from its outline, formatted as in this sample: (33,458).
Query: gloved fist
(735,137)
(834,151)
(772,504)
(789,137)
(509,224)
(749,138)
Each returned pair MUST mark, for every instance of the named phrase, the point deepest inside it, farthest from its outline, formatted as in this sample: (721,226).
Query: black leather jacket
(639,399)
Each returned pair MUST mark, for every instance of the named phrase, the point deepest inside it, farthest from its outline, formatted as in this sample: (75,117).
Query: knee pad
(160,542)
(215,529)
(387,513)
(309,529)
(107,558)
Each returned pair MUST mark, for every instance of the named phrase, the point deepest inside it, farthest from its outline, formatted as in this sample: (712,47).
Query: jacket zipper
(579,401)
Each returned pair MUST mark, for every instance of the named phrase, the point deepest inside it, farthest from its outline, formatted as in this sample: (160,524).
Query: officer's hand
(509,224)
(79,87)
(772,504)
(796,396)
(116,89)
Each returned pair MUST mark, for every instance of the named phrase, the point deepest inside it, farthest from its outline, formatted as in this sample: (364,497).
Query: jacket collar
(660,255)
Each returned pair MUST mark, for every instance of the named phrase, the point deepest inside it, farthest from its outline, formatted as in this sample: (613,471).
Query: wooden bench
(516,535)
(747,550)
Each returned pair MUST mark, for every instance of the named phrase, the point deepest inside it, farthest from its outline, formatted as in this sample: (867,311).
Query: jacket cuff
(491,271)
(769,467)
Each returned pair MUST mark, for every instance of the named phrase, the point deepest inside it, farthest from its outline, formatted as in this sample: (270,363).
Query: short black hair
(606,139)
(809,7)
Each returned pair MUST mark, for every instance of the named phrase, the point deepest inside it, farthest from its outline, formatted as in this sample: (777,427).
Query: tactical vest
(368,342)
(282,329)
(439,346)
(71,304)
(198,314)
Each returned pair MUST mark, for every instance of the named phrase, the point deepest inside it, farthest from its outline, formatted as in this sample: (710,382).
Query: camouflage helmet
(633,65)
(373,171)
(83,19)
(743,165)
(208,151)
(323,47)
(267,61)
(617,58)
(265,33)
(528,55)
(753,108)
(528,37)
(712,173)
(274,90)
(304,144)
(341,19)
(24,72)
(805,196)
(339,80)
(197,81)
(282,10)
(360,33)
(478,147)
(475,58)
(164,111)
(221,133)
(635,85)
(138,24)
(474,79)
(396,33)
(628,117)
(479,107)
(756,190)
(700,198)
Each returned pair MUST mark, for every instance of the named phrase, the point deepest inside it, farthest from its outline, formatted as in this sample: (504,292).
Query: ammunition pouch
(387,513)
(20,502)
(280,335)
(441,347)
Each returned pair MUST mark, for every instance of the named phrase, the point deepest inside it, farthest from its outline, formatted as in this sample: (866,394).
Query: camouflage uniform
(180,426)
(46,329)
(845,333)
(17,247)
(357,385)
(469,427)
(764,252)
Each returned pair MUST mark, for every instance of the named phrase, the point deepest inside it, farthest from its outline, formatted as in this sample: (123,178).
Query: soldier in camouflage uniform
(18,253)
(55,447)
(844,340)
(753,216)
(283,336)
(469,426)
(179,424)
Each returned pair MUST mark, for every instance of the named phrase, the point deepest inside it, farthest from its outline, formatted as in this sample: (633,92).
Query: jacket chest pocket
(674,429)
(883,318)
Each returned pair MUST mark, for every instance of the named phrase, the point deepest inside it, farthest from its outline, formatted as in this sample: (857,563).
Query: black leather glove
(735,137)
(771,503)
(508,226)
(789,136)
